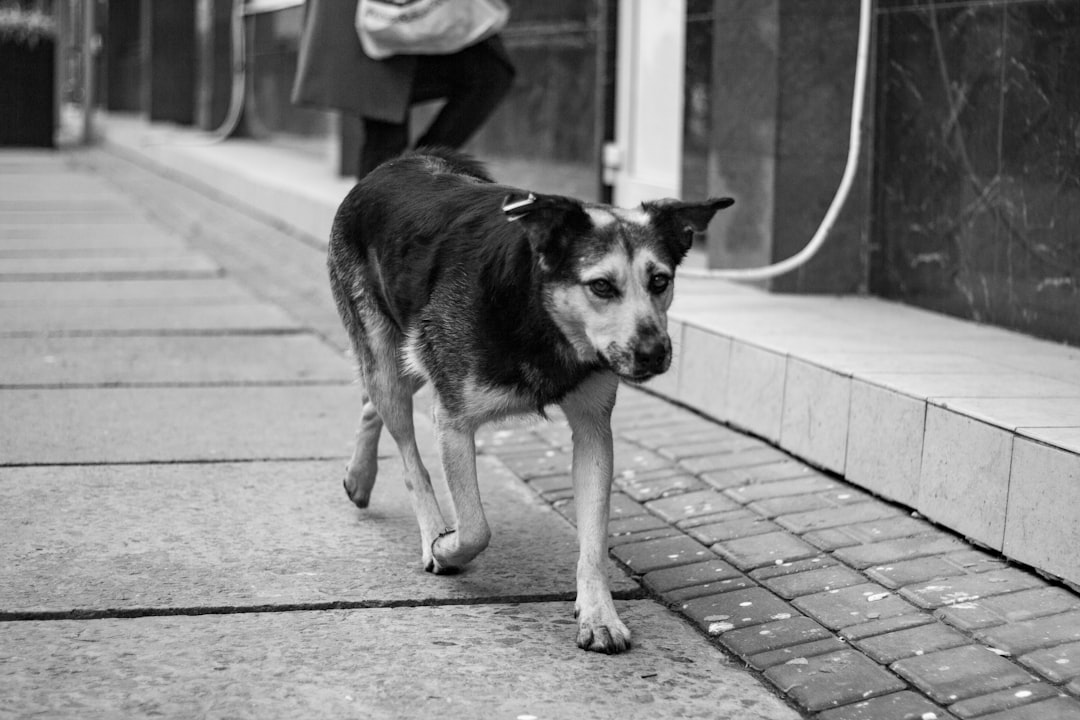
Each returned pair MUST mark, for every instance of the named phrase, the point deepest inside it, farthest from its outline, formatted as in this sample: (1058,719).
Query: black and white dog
(506,301)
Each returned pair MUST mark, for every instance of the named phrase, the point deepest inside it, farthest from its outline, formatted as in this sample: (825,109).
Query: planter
(27,79)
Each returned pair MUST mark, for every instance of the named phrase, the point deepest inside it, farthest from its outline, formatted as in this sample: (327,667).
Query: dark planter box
(27,97)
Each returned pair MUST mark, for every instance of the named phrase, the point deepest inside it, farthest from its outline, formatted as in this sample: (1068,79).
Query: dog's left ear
(677,221)
(550,222)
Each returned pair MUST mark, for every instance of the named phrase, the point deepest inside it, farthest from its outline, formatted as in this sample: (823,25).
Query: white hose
(858,102)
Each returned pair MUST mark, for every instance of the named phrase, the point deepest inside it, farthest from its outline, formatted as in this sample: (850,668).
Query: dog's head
(608,273)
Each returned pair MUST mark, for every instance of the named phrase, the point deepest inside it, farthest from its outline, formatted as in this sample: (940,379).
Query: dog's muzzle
(645,359)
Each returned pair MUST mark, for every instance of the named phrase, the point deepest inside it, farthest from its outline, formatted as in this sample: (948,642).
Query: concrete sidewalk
(175,540)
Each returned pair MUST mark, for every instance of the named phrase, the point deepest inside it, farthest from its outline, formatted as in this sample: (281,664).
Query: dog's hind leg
(362,468)
(457,447)
(588,410)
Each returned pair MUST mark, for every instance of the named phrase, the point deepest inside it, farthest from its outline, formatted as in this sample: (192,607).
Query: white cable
(858,102)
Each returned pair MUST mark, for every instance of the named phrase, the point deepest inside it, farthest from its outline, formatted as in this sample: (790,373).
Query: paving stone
(889,529)
(904,705)
(643,557)
(832,517)
(796,630)
(960,673)
(718,614)
(699,520)
(790,568)
(950,591)
(771,658)
(780,488)
(1003,700)
(828,681)
(852,605)
(846,495)
(682,595)
(675,484)
(976,561)
(631,459)
(1059,708)
(730,460)
(1074,687)
(543,462)
(733,442)
(788,505)
(887,649)
(621,507)
(662,581)
(892,551)
(813,581)
(731,529)
(639,537)
(692,504)
(830,539)
(768,549)
(789,469)
(1059,664)
(885,625)
(908,572)
(1023,637)
(552,487)
(1016,607)
(633,524)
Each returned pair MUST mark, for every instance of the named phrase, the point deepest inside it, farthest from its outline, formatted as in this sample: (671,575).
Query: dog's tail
(438,159)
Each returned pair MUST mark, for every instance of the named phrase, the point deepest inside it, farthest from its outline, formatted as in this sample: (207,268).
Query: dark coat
(333,72)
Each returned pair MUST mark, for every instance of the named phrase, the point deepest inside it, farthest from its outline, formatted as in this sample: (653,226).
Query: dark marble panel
(978,162)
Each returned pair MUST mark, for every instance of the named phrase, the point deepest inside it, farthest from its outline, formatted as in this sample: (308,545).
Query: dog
(506,301)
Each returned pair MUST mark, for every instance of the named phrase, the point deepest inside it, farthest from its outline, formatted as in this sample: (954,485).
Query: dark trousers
(473,82)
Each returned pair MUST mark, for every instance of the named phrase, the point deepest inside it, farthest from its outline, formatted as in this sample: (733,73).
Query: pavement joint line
(192,461)
(112,276)
(180,385)
(156,332)
(196,610)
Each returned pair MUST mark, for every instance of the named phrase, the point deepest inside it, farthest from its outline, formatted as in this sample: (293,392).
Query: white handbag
(426,27)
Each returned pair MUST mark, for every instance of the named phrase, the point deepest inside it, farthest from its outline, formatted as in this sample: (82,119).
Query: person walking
(334,72)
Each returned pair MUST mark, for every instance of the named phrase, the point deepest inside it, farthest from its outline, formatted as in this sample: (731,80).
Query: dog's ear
(677,221)
(550,222)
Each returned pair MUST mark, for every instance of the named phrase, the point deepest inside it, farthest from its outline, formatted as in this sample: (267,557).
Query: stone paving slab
(113,538)
(158,318)
(466,661)
(142,238)
(168,424)
(148,293)
(139,360)
(118,263)
(66,236)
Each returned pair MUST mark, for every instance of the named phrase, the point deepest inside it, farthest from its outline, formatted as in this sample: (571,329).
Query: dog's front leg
(589,411)
(457,446)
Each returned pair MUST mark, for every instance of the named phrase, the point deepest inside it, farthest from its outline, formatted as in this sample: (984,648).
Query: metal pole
(88,41)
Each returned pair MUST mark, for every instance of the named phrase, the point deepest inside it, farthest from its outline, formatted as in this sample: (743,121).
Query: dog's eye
(602,288)
(659,283)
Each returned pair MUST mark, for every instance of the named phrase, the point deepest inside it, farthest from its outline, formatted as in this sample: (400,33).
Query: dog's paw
(439,565)
(359,496)
(602,632)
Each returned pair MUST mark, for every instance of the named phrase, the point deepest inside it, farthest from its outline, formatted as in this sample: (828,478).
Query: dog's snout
(651,355)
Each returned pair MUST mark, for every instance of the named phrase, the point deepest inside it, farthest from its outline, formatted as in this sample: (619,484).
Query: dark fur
(454,265)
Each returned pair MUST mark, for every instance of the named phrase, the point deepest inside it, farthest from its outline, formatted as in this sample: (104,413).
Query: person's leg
(382,141)
(474,81)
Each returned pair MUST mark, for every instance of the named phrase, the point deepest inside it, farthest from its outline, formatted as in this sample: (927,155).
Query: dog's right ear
(550,222)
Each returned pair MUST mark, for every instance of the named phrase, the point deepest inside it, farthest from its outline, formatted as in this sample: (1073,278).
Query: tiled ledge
(975,427)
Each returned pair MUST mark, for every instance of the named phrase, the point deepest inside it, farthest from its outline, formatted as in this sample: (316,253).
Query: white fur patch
(601,217)
(410,355)
(636,215)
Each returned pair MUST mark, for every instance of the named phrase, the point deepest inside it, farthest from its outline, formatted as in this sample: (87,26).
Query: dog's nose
(651,356)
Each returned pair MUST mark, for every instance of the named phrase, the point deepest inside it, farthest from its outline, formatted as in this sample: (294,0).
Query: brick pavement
(854,608)
(850,606)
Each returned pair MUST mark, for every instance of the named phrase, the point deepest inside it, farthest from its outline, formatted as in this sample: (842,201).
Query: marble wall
(977,161)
